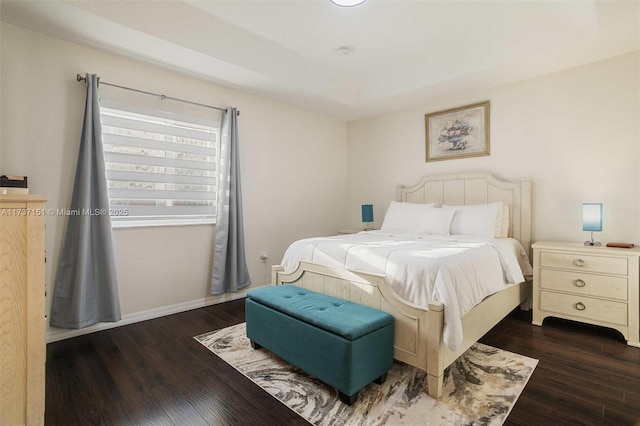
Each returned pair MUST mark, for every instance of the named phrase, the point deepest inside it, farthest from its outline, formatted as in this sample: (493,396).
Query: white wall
(574,133)
(293,168)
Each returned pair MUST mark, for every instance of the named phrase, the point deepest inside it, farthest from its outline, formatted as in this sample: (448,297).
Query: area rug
(480,388)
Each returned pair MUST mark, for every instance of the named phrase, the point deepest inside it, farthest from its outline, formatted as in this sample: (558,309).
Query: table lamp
(367,215)
(592,220)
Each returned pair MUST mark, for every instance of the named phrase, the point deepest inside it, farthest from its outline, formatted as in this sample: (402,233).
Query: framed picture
(458,133)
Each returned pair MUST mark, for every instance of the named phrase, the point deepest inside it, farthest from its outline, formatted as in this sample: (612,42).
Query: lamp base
(592,243)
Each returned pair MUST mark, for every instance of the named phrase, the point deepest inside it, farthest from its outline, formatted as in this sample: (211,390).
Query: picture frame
(461,132)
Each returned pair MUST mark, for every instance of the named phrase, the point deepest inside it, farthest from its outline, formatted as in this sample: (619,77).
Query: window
(161,167)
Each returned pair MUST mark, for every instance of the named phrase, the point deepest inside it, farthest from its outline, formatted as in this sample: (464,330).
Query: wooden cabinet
(22,320)
(595,285)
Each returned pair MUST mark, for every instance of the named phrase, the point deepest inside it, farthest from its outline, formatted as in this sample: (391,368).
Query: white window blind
(161,167)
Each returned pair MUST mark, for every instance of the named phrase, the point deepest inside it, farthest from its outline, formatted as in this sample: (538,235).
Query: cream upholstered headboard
(477,188)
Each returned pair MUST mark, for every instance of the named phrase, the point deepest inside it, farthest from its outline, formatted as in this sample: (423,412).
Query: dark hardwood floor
(155,373)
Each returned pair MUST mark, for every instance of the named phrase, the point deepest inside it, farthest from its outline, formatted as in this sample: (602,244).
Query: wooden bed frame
(419,330)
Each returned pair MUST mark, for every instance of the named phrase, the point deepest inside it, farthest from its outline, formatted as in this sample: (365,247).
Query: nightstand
(349,231)
(595,285)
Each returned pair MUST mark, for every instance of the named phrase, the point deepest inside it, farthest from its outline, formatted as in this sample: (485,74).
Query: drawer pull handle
(580,263)
(580,283)
(580,306)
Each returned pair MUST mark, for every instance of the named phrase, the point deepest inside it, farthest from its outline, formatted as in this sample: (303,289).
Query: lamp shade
(367,213)
(592,217)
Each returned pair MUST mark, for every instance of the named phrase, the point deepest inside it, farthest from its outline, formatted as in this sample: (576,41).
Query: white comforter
(458,271)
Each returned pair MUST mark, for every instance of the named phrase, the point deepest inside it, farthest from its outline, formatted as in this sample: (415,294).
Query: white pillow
(435,221)
(403,216)
(479,219)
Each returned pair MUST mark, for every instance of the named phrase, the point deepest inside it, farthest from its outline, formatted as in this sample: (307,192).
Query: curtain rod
(163,97)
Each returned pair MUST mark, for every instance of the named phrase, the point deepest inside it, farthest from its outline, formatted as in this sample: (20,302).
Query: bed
(419,338)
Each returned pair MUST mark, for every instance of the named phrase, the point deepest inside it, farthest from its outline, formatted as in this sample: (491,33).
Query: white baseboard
(56,334)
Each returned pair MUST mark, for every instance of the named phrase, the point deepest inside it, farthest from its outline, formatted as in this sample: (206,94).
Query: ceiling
(402,53)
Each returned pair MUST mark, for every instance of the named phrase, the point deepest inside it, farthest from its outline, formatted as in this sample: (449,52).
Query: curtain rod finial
(80,78)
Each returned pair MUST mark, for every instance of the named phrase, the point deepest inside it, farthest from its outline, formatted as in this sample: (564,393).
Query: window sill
(120,224)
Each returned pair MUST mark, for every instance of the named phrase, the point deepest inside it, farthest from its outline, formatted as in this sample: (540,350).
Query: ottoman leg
(254,345)
(380,380)
(348,399)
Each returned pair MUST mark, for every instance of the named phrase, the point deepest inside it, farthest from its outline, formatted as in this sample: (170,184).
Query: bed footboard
(418,330)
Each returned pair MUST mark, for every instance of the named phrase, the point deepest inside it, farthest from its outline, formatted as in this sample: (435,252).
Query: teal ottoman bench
(343,344)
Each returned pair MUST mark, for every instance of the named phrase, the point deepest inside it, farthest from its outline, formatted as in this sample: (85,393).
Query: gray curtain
(86,287)
(230,271)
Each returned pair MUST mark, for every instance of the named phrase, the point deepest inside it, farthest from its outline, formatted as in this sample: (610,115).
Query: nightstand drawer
(584,284)
(584,307)
(587,263)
